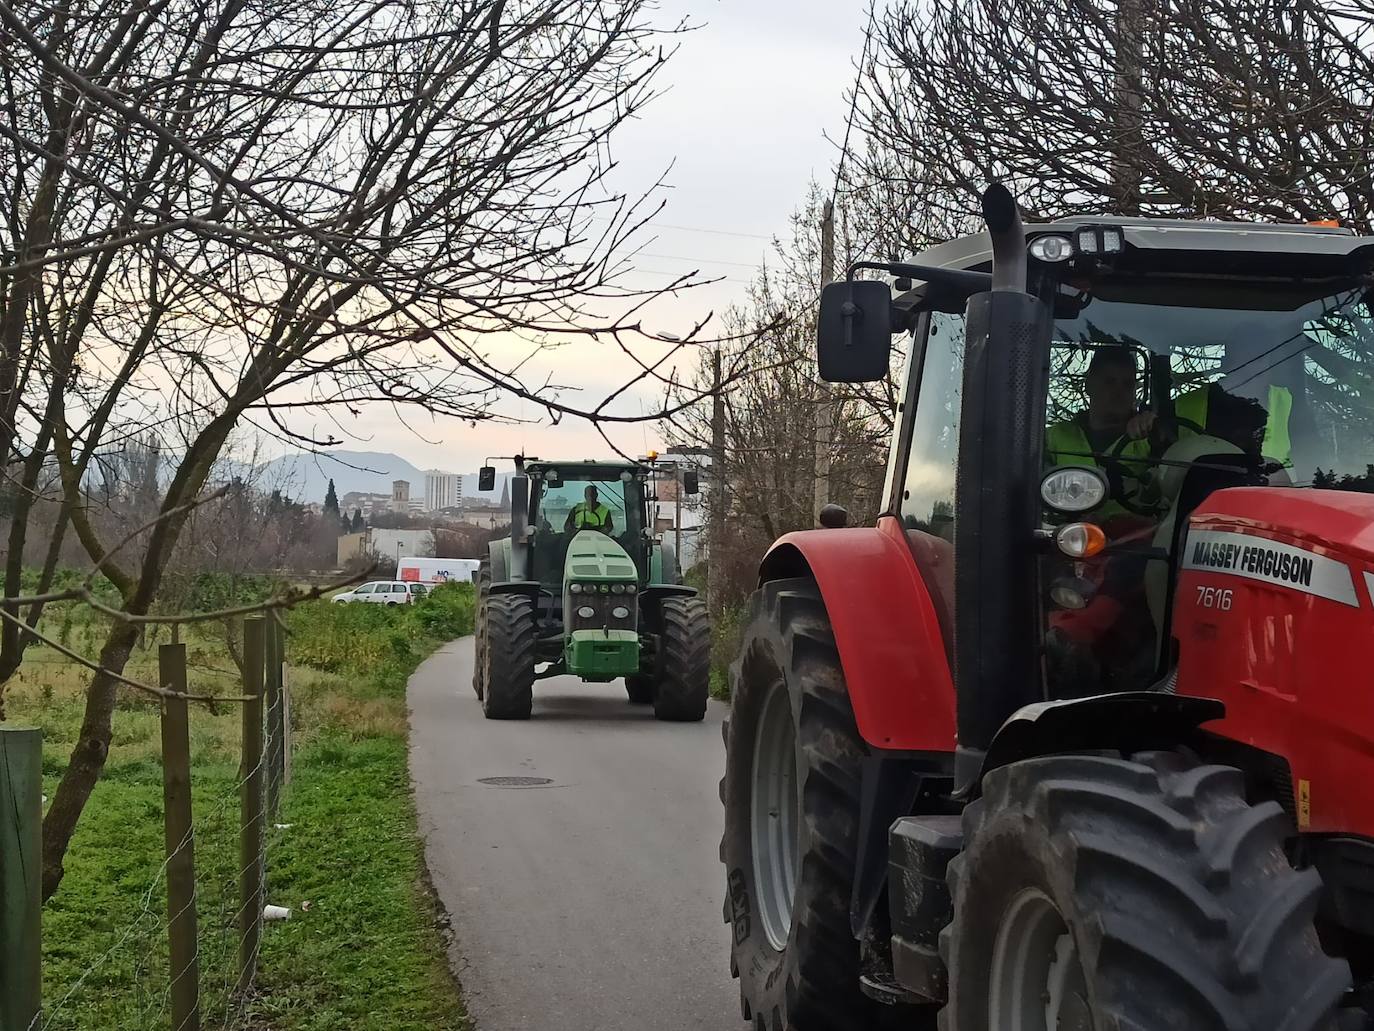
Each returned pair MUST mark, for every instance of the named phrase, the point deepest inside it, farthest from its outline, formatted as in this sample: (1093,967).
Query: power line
(693,229)
(701,261)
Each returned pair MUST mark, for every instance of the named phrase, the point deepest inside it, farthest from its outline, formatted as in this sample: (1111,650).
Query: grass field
(362,948)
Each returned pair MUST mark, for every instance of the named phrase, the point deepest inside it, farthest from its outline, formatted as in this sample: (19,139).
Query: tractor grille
(603,608)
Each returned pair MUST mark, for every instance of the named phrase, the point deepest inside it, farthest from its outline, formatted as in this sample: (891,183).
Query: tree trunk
(88,757)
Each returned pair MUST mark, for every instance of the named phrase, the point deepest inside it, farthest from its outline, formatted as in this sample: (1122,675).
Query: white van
(434,571)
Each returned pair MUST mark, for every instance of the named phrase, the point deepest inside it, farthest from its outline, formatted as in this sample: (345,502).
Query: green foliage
(382,642)
(726,627)
(366,953)
(210,592)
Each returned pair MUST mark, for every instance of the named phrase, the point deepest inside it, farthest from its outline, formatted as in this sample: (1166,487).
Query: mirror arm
(955,279)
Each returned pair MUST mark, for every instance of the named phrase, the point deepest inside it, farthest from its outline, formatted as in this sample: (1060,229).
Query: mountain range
(305,477)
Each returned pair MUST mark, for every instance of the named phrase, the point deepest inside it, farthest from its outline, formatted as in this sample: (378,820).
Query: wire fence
(183,956)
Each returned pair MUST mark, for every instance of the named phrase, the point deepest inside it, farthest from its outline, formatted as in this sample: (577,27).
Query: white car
(383,592)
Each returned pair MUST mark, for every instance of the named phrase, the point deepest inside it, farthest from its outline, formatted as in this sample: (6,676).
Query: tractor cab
(1238,357)
(567,498)
(1080,734)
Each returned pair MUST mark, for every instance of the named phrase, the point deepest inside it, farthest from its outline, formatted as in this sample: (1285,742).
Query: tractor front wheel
(479,625)
(793,758)
(684,662)
(508,657)
(1101,893)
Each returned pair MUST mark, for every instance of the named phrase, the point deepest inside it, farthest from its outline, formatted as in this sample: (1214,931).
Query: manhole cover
(514,782)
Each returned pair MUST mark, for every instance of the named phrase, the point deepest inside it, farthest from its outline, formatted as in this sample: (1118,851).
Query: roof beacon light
(1051,248)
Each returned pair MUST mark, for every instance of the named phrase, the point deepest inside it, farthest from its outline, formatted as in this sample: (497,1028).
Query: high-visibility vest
(1067,444)
(585,518)
(1278,444)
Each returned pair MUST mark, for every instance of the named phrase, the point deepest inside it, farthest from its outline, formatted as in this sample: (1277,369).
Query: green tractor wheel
(508,657)
(683,666)
(479,625)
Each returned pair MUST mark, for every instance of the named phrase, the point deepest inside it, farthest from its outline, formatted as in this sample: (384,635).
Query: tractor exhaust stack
(997,505)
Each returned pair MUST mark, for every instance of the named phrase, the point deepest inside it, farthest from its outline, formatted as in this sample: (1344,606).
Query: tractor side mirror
(486,478)
(691,484)
(854,331)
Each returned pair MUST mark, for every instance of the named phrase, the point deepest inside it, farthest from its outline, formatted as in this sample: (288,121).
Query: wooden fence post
(276,736)
(183,955)
(251,813)
(21,890)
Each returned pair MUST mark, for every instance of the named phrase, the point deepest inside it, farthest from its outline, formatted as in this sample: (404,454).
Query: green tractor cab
(583,587)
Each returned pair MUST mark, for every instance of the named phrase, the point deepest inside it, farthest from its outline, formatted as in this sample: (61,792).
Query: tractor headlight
(1073,489)
(629,588)
(620,612)
(586,612)
(617,588)
(575,588)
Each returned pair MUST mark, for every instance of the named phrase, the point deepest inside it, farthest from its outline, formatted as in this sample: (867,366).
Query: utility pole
(824,413)
(677,511)
(1130,52)
(715,568)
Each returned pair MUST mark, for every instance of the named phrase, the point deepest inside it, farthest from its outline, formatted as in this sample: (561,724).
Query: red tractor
(1079,736)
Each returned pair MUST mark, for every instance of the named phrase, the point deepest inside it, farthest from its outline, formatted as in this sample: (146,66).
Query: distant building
(368,504)
(351,546)
(399,544)
(400,497)
(442,490)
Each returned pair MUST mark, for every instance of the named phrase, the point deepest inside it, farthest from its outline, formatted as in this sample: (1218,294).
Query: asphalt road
(589,904)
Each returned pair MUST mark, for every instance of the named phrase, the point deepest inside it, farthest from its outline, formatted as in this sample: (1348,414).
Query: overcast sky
(740,130)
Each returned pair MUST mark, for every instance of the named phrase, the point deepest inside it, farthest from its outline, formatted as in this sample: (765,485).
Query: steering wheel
(1158,442)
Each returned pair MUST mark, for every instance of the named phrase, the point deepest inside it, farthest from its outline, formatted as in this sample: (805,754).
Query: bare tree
(772,393)
(218,215)
(1187,108)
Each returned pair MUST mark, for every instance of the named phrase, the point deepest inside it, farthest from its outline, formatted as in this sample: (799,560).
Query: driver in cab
(589,514)
(1110,425)
(1110,434)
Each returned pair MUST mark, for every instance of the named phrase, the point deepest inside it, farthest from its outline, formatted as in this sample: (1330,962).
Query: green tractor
(583,587)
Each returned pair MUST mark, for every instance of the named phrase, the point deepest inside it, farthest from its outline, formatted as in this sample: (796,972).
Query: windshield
(1278,397)
(1316,363)
(556,504)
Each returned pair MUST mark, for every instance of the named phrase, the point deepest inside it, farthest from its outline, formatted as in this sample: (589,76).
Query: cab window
(927,498)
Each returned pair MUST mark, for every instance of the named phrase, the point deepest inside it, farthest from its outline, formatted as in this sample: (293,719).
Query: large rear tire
(1108,894)
(479,624)
(789,870)
(683,683)
(508,657)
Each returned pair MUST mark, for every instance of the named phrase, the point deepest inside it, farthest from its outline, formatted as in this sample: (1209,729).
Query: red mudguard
(894,659)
